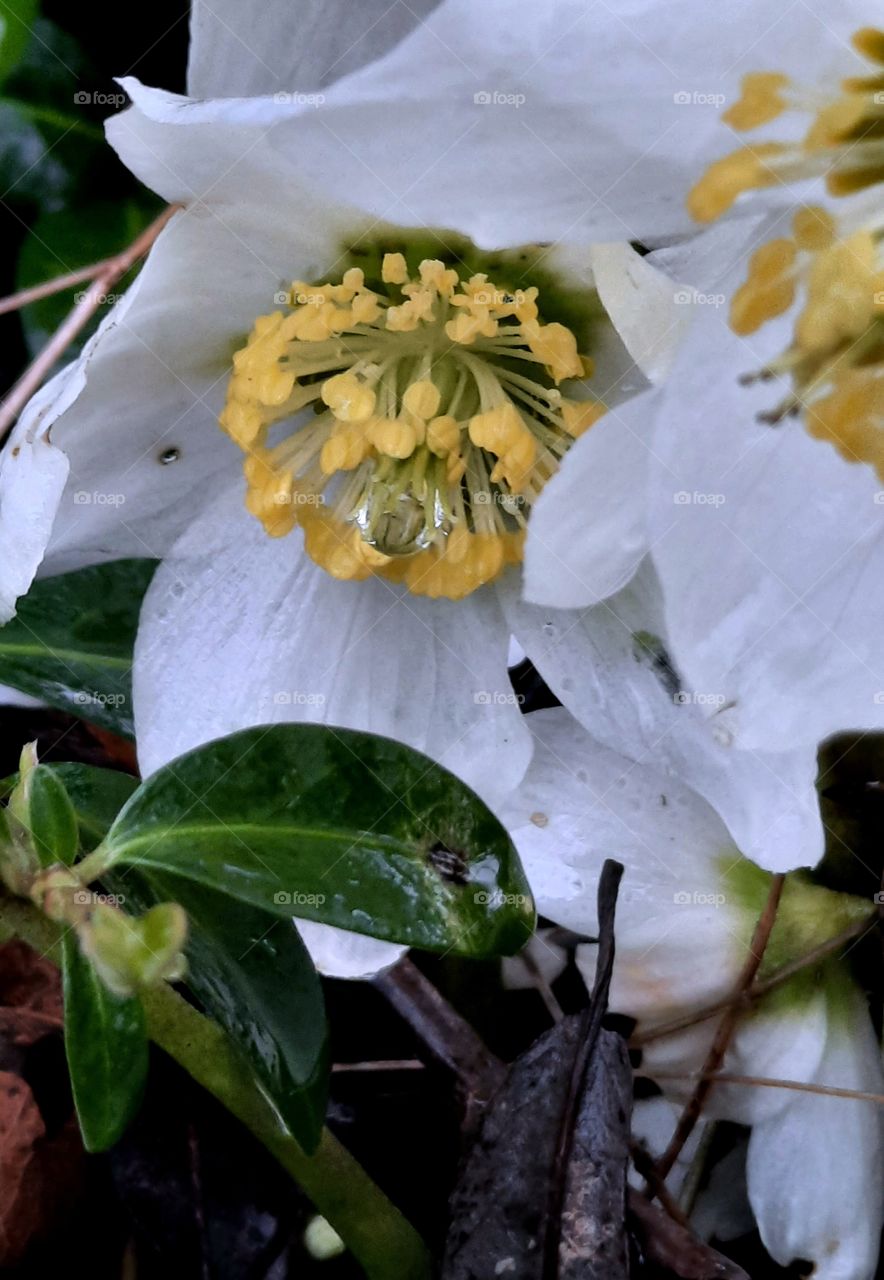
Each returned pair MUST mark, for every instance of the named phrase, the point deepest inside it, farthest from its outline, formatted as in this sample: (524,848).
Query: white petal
(32,477)
(588,529)
(605,665)
(642,304)
(790,634)
(593,123)
(142,436)
(338,953)
(232,610)
(815,1173)
(240,49)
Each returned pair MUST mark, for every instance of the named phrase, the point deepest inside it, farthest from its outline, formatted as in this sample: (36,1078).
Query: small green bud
(130,953)
(40,825)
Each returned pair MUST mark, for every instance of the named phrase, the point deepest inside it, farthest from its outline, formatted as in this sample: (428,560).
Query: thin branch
(772,1082)
(448,1037)
(724,1031)
(40,368)
(24,297)
(744,999)
(645,1166)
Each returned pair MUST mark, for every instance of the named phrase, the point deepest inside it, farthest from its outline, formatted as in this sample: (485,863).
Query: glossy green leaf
(255,977)
(333,825)
(49,816)
(97,796)
(71,641)
(106,1045)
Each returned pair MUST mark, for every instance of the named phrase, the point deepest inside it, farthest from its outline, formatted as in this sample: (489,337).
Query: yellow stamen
(436,422)
(760,102)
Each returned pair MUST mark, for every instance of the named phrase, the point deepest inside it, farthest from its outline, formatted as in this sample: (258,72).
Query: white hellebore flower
(388,286)
(686,913)
(766,541)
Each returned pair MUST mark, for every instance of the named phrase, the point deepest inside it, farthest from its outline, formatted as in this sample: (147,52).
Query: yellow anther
(349,399)
(497,429)
(869,41)
(353,279)
(434,274)
(422,398)
(769,289)
(242,422)
(579,415)
(393,436)
(761,100)
(557,347)
(813,228)
(333,544)
(729,177)
(275,385)
(394,269)
(836,122)
(443,435)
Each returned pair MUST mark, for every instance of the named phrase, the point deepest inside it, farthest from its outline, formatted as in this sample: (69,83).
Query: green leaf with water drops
(70,643)
(338,826)
(106,1045)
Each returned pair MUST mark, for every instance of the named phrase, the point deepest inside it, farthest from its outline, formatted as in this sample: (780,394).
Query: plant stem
(385,1245)
(91,300)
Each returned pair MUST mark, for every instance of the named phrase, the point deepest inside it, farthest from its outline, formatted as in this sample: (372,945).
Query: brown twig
(645,1166)
(743,999)
(724,1031)
(772,1082)
(39,369)
(448,1037)
(24,297)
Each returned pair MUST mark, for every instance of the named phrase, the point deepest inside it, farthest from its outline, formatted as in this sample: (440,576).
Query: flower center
(836,357)
(437,420)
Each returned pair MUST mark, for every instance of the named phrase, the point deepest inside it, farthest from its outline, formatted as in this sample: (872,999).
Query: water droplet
(169,455)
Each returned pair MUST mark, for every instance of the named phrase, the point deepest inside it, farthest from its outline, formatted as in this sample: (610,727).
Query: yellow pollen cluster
(436,420)
(836,357)
(844,143)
